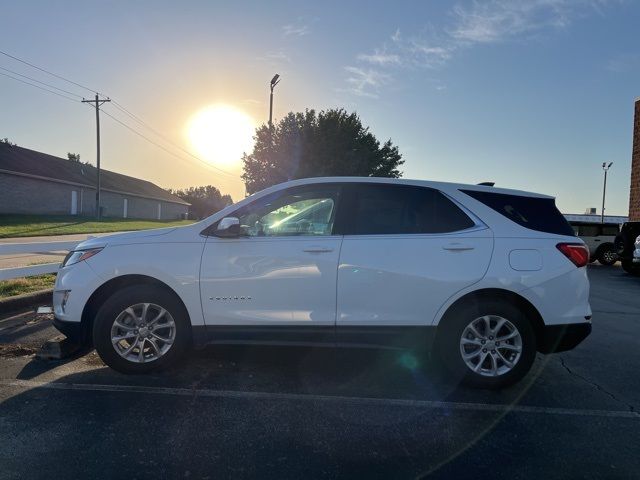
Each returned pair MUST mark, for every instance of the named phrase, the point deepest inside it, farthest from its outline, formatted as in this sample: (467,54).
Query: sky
(532,95)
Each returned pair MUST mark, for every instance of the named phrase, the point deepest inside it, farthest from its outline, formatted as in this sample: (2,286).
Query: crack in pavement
(598,387)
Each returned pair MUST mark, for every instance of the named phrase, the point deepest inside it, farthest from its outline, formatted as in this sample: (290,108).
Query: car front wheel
(489,345)
(140,329)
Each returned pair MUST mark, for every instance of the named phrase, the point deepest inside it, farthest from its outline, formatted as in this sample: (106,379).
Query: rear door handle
(457,247)
(317,249)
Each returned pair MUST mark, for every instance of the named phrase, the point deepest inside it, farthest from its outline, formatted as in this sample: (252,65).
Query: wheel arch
(104,291)
(478,296)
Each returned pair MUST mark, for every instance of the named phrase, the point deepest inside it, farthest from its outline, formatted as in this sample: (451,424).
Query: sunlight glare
(220,134)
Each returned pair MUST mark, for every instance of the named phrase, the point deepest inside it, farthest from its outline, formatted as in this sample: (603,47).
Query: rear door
(406,250)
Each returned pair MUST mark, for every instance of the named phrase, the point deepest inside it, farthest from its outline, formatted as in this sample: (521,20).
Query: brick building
(634,195)
(37,183)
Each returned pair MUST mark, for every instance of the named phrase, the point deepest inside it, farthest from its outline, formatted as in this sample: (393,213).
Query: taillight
(576,252)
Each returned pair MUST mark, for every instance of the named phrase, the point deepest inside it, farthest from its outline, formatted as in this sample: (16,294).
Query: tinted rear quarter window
(403,209)
(534,213)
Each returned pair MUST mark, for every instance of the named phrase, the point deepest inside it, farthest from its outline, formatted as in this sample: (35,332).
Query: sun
(220,134)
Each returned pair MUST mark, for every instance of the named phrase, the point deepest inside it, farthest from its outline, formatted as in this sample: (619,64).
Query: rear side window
(534,213)
(401,209)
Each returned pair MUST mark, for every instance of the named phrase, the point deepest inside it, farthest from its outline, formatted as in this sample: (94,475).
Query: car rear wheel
(607,255)
(488,345)
(140,329)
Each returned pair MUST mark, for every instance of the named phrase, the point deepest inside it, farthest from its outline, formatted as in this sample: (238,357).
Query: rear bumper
(559,338)
(74,331)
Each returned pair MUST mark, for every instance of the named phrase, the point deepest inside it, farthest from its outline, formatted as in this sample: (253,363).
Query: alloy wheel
(609,256)
(491,345)
(143,332)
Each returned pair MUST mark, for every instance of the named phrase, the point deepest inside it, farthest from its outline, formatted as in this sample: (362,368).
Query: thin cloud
(278,57)
(380,57)
(473,24)
(365,82)
(499,20)
(624,63)
(295,30)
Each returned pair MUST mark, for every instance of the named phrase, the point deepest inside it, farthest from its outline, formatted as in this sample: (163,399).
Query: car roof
(444,186)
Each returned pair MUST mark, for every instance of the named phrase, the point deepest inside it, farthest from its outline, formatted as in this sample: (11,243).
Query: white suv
(485,276)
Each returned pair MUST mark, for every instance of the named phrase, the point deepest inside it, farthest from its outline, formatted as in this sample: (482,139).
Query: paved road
(266,412)
(26,259)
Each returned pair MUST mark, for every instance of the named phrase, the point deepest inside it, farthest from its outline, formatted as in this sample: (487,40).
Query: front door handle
(457,247)
(318,249)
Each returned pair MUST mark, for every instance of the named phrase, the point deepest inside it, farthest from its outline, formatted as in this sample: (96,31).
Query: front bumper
(74,331)
(559,338)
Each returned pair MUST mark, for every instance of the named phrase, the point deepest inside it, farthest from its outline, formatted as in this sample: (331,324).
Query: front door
(283,269)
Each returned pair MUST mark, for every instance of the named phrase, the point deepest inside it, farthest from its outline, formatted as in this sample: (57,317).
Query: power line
(162,147)
(42,83)
(118,105)
(41,88)
(167,140)
(47,71)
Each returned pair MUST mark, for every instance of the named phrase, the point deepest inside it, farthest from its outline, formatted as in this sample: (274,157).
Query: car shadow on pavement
(326,371)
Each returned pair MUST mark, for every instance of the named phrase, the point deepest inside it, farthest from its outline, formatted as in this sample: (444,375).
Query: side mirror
(228,227)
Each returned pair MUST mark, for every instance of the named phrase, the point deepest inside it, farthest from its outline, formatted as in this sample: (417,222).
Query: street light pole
(274,81)
(606,168)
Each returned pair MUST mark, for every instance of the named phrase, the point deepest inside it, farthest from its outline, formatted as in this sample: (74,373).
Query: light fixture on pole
(274,81)
(606,168)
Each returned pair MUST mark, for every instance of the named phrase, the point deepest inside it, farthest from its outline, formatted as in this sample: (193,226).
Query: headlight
(76,256)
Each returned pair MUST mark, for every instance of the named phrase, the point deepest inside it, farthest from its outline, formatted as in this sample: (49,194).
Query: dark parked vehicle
(625,245)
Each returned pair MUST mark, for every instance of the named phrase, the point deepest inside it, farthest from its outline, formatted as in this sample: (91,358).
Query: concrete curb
(33,299)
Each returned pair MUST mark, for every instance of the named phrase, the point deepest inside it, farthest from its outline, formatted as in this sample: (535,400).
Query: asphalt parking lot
(291,413)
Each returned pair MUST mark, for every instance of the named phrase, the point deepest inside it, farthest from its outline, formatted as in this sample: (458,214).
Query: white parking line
(248,395)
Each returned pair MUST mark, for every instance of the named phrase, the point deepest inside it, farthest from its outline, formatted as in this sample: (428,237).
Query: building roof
(25,162)
(587,218)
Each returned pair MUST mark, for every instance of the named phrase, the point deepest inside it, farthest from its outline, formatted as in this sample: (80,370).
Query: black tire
(453,326)
(133,295)
(607,255)
(631,268)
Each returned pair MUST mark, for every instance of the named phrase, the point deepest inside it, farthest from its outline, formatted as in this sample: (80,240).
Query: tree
(74,157)
(6,141)
(204,200)
(331,143)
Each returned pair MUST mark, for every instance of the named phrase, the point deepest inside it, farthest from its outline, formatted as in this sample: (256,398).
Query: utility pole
(274,81)
(97,102)
(606,168)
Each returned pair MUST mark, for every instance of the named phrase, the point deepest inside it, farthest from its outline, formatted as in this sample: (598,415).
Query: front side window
(293,212)
(380,209)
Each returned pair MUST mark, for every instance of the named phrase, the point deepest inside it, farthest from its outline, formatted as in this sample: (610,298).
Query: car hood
(124,238)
